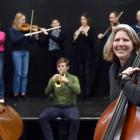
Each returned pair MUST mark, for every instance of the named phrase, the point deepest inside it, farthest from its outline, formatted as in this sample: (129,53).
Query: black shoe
(25,98)
(17,98)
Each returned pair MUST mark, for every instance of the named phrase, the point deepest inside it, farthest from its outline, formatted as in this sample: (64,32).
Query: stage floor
(90,109)
(30,110)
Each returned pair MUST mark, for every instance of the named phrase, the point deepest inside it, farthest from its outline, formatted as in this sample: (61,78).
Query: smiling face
(122,46)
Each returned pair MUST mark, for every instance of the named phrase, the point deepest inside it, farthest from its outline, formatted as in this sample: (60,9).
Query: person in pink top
(2,41)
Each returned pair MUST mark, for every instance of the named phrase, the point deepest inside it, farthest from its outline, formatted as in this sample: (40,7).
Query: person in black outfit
(121,48)
(83,39)
(102,65)
(137,26)
(114,21)
(54,42)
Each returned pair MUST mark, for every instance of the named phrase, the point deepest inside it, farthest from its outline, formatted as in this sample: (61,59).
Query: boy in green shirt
(64,87)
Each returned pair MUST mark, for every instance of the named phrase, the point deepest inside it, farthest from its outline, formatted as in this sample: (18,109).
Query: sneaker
(1,100)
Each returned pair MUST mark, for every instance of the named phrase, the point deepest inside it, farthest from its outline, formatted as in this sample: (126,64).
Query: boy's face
(62,68)
(55,23)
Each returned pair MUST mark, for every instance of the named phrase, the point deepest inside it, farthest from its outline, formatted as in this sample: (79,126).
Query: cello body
(130,128)
(11,124)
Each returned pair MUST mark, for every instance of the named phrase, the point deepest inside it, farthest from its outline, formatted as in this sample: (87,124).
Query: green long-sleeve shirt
(67,93)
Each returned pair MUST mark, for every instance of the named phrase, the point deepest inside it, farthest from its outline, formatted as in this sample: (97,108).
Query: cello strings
(118,112)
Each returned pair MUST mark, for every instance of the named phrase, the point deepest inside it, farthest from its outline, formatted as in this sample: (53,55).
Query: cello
(121,119)
(11,124)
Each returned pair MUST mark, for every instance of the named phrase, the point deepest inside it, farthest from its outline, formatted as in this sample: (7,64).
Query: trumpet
(58,82)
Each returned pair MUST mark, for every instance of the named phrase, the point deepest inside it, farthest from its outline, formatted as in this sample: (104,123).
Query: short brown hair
(62,60)
(115,13)
(53,19)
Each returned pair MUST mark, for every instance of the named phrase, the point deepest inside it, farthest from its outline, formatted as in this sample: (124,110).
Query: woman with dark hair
(83,39)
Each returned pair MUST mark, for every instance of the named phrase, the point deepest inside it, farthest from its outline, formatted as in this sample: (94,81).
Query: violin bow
(120,15)
(110,26)
(31,23)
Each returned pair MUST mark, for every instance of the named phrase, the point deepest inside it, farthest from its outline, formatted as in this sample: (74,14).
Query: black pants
(52,57)
(85,76)
(51,113)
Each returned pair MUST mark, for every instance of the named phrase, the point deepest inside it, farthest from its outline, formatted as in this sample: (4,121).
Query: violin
(110,28)
(29,28)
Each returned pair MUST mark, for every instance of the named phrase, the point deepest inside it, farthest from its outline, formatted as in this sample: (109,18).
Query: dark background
(68,12)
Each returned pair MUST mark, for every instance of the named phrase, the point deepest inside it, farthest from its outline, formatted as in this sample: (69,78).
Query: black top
(130,89)
(85,44)
(136,28)
(19,41)
(44,39)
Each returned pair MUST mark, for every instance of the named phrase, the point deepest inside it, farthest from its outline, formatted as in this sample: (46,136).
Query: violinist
(20,56)
(83,39)
(114,21)
(2,48)
(137,26)
(121,49)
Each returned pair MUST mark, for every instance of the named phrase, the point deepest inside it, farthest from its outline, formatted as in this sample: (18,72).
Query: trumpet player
(64,97)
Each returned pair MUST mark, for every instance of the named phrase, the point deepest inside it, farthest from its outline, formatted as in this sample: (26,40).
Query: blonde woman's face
(22,20)
(122,46)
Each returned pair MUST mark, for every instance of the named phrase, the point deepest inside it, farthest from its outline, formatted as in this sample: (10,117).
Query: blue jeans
(51,113)
(1,75)
(21,63)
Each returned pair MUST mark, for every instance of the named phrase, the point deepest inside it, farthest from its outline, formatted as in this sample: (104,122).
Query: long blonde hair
(108,52)
(18,16)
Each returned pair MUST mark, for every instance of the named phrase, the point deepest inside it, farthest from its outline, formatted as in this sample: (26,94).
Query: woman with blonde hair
(20,55)
(121,49)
